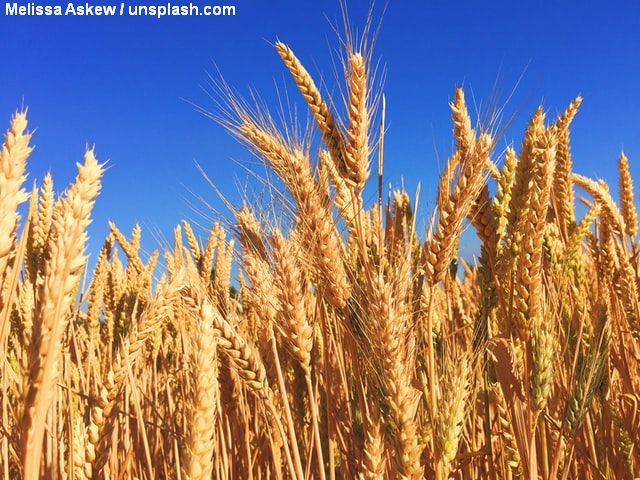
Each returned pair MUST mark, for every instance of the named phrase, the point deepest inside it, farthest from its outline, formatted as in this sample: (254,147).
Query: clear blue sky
(121,83)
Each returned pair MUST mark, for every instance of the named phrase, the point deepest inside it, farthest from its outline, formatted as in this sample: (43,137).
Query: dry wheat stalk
(67,258)
(201,428)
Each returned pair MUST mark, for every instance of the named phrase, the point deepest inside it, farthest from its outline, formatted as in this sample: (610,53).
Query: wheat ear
(13,159)
(563,197)
(201,429)
(440,250)
(67,258)
(357,135)
(38,253)
(627,201)
(451,409)
(326,124)
(373,457)
(609,210)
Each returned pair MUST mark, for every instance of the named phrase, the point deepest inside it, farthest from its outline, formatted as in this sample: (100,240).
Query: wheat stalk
(67,258)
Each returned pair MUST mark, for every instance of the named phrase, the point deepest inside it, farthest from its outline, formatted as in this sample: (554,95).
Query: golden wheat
(338,340)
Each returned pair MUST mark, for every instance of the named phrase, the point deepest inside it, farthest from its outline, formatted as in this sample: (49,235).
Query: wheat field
(327,334)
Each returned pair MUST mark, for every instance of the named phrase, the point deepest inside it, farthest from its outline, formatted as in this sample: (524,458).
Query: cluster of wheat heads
(350,345)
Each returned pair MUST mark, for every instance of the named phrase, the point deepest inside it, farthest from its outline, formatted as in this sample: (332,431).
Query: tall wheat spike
(67,258)
(201,428)
(627,201)
(13,159)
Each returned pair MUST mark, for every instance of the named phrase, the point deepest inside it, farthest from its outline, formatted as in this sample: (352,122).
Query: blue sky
(121,83)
